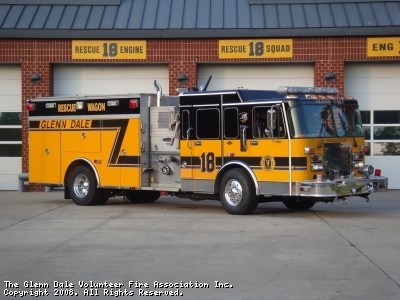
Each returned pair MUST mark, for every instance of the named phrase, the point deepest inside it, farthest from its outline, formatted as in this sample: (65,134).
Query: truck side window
(185,124)
(231,123)
(260,126)
(208,125)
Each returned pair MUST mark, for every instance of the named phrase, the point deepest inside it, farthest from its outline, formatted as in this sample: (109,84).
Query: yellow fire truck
(241,147)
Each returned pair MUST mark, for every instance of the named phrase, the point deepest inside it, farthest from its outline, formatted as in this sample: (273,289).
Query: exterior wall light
(182,78)
(35,78)
(330,76)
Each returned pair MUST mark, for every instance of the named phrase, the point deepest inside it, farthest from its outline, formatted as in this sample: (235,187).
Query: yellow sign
(109,49)
(61,124)
(383,46)
(271,48)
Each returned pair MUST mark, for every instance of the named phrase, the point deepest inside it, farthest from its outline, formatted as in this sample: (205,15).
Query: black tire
(299,203)
(237,193)
(82,187)
(142,196)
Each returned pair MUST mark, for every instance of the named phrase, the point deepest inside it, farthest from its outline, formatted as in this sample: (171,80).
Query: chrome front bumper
(341,187)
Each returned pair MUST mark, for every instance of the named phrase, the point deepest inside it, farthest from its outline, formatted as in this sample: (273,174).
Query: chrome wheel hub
(81,186)
(233,192)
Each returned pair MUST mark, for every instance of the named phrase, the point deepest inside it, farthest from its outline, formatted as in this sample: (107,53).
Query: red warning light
(31,107)
(133,103)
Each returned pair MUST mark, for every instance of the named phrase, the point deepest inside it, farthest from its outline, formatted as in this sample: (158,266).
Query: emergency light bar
(307,90)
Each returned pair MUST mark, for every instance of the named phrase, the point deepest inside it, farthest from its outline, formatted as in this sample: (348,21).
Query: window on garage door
(382,131)
(10,134)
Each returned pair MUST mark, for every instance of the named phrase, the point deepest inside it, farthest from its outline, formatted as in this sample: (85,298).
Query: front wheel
(82,187)
(299,203)
(237,193)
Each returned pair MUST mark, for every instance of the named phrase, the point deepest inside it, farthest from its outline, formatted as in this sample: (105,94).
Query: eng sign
(388,46)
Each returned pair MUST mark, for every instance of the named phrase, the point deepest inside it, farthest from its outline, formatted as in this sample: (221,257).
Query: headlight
(358,156)
(358,164)
(317,167)
(367,170)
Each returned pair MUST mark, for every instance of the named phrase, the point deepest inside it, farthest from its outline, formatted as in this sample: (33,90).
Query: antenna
(208,82)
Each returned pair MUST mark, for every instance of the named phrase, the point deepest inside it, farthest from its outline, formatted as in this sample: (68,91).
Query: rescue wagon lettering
(69,107)
(97,106)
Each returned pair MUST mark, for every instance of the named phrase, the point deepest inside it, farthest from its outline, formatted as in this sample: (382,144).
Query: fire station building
(77,47)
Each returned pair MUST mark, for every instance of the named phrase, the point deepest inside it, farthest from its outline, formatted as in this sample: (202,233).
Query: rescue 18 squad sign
(266,48)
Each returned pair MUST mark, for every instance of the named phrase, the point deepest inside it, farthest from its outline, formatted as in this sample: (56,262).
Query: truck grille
(337,161)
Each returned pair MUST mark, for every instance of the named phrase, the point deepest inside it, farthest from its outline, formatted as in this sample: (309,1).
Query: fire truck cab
(241,147)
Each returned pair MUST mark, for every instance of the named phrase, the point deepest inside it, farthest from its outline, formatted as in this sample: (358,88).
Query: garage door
(268,76)
(108,79)
(377,88)
(10,126)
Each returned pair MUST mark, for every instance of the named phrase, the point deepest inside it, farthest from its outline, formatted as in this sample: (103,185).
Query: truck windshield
(325,120)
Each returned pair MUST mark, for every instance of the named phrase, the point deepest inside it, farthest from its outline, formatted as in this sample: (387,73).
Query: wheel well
(77,163)
(231,166)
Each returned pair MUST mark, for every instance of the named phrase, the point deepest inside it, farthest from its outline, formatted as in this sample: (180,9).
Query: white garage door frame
(377,89)
(262,76)
(10,126)
(95,79)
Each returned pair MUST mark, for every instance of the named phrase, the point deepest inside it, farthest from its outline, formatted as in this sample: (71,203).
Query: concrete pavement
(51,248)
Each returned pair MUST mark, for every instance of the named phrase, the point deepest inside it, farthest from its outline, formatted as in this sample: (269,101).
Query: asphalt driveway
(53,249)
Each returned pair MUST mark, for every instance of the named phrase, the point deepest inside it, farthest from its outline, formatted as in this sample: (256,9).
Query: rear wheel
(237,193)
(299,203)
(82,187)
(142,196)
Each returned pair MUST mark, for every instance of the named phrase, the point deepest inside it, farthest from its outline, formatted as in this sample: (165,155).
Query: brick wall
(182,56)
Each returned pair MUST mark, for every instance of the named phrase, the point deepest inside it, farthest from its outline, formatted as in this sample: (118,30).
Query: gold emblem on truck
(267,163)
